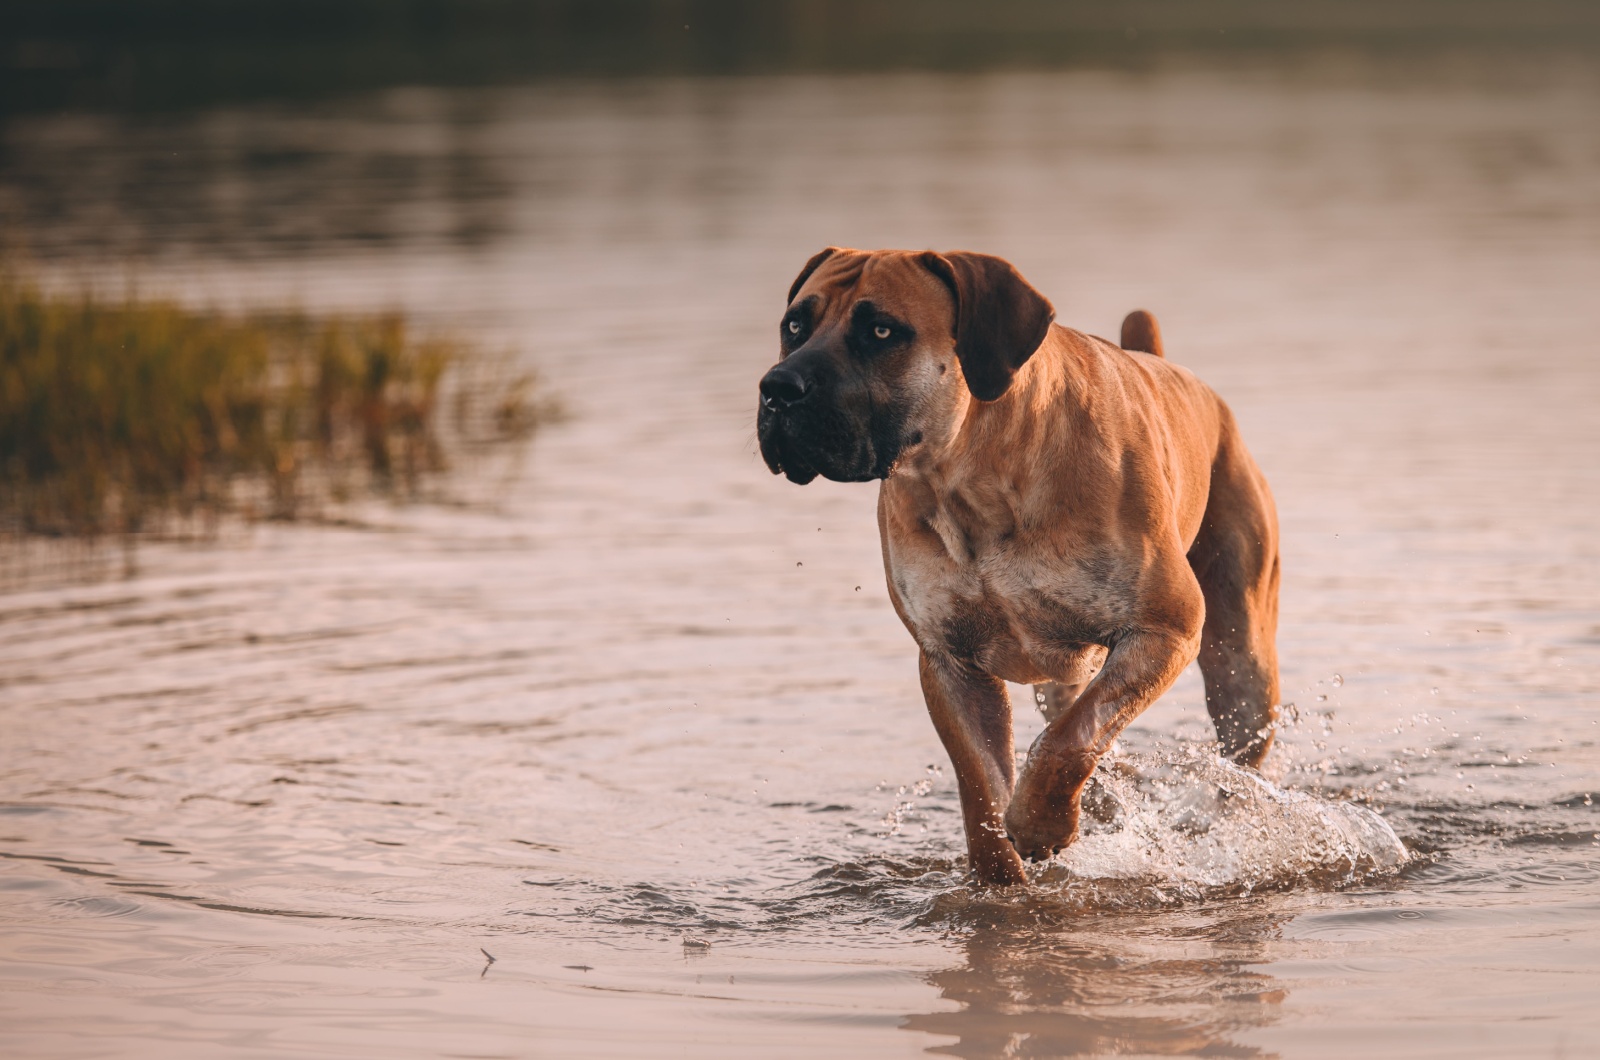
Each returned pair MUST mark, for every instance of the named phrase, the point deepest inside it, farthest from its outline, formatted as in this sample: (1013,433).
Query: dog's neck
(1041,391)
(980,467)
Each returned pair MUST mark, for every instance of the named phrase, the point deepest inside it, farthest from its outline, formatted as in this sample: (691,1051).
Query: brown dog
(1055,511)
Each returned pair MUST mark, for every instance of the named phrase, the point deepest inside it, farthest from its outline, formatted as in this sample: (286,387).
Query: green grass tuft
(127,415)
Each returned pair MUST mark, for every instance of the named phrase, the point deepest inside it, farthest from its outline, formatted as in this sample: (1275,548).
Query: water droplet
(858,588)
(1337,681)
(799,564)
(1433,691)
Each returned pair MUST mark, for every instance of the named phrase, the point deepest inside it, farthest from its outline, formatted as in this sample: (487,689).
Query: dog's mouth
(798,450)
(782,458)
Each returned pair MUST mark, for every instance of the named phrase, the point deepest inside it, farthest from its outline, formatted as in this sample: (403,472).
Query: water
(645,728)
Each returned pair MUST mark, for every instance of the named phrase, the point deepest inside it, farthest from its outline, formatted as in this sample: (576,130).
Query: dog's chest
(1013,605)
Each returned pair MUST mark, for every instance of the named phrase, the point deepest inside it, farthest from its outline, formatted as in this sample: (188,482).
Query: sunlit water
(645,729)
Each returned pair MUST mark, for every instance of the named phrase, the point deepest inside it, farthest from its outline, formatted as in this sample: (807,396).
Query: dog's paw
(1002,869)
(1040,847)
(1039,836)
(1043,815)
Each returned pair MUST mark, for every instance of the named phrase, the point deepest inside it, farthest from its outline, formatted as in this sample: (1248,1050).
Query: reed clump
(123,415)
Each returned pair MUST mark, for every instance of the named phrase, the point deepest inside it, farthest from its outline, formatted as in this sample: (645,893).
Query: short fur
(1054,511)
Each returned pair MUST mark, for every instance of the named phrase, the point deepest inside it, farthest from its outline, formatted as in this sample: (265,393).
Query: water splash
(1161,828)
(1186,824)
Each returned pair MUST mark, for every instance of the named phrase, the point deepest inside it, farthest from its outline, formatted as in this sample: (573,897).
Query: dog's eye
(882,331)
(794,327)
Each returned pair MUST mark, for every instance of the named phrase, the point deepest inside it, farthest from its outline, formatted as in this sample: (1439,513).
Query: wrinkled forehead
(894,281)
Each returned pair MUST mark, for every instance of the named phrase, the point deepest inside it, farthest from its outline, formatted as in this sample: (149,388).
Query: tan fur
(1090,531)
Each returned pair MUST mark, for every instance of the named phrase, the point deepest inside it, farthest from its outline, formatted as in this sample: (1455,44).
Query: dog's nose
(783,387)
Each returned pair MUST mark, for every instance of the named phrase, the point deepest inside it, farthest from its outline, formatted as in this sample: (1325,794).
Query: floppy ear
(1000,318)
(805,273)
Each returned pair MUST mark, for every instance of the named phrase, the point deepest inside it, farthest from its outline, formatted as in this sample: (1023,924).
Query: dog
(1054,510)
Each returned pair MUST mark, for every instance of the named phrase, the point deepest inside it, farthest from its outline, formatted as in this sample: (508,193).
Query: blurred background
(166,54)
(565,676)
(187,104)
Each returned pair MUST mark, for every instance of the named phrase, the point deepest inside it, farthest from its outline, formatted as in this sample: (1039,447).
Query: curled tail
(1141,332)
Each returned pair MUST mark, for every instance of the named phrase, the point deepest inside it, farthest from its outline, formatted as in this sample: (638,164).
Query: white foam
(1190,823)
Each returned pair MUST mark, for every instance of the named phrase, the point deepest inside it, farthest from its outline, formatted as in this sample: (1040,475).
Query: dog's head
(879,350)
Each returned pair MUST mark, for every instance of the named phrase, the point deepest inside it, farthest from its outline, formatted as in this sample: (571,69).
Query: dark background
(177,54)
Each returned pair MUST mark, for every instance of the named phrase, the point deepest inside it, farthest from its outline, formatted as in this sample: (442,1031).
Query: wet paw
(998,867)
(1039,851)
(1039,844)
(1043,815)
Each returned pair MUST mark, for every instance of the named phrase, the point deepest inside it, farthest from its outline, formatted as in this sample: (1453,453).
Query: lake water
(641,723)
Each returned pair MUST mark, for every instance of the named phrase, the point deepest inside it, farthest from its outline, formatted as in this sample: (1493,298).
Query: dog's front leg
(1043,815)
(972,715)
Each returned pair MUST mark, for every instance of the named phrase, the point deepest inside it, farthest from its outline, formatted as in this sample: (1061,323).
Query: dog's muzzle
(783,388)
(806,428)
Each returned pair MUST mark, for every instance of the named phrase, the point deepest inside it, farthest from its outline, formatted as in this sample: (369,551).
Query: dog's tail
(1141,332)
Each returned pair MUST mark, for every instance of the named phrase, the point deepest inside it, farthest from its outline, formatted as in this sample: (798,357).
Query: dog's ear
(1000,318)
(811,266)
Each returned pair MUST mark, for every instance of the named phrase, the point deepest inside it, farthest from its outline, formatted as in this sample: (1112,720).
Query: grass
(119,416)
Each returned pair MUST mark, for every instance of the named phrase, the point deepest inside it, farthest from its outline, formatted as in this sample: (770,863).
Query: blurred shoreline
(60,55)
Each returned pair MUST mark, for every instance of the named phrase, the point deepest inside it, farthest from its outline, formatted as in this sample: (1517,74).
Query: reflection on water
(276,793)
(402,170)
(1090,989)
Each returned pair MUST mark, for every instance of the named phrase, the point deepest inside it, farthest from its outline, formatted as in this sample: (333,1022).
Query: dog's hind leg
(1235,559)
(1054,698)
